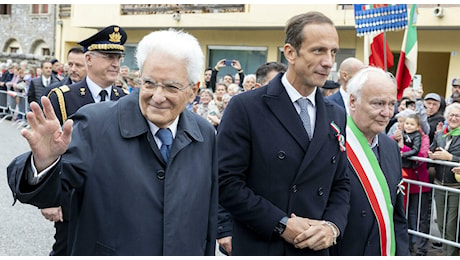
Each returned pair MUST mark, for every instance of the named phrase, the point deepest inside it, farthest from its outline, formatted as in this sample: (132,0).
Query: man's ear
(290,53)
(352,102)
(195,89)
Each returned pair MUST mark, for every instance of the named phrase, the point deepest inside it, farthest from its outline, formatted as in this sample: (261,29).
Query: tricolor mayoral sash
(368,170)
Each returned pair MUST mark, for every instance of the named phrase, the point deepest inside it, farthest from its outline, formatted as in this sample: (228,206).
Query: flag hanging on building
(372,21)
(377,18)
(379,53)
(407,66)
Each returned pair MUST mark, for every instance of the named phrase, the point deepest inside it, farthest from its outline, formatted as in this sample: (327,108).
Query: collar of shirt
(294,94)
(45,80)
(154,129)
(346,98)
(95,89)
(375,142)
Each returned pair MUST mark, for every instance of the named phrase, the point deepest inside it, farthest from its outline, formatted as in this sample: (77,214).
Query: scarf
(453,132)
(374,184)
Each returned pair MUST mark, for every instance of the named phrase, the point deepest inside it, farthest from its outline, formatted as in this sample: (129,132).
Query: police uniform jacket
(78,95)
(65,81)
(132,202)
(268,169)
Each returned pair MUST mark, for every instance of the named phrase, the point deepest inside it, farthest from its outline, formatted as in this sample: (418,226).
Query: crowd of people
(278,162)
(22,83)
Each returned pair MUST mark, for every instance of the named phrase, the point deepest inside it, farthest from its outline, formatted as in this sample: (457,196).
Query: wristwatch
(281,226)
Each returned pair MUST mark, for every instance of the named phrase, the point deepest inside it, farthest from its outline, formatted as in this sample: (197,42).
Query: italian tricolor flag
(407,66)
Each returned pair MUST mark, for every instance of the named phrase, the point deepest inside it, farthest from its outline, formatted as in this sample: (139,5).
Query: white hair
(450,107)
(358,81)
(176,43)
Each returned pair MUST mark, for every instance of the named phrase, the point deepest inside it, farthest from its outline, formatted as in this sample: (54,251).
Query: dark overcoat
(131,202)
(361,236)
(268,169)
(337,98)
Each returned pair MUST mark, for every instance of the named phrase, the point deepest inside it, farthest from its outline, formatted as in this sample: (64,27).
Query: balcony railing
(145,9)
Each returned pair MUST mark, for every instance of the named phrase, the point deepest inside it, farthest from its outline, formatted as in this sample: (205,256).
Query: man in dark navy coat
(145,167)
(103,62)
(377,223)
(287,190)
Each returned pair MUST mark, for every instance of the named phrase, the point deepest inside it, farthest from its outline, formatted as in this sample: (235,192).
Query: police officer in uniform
(104,51)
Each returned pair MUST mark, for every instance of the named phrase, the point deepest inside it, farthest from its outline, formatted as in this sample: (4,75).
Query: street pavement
(23,230)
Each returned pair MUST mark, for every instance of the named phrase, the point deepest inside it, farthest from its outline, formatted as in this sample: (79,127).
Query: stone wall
(29,30)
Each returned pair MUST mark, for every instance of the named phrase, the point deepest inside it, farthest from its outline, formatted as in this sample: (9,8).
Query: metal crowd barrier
(434,233)
(14,104)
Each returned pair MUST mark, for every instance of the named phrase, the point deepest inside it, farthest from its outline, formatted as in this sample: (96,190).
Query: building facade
(251,33)
(28,32)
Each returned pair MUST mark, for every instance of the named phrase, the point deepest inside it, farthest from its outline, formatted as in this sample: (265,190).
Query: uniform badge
(115,36)
(82,91)
(116,92)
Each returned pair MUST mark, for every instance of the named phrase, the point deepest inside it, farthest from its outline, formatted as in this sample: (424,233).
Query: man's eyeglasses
(172,87)
(109,56)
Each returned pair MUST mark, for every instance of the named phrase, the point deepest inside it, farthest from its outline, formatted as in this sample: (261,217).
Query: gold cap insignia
(82,91)
(115,36)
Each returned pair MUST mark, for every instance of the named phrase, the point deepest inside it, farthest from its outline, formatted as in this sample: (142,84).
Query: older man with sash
(376,221)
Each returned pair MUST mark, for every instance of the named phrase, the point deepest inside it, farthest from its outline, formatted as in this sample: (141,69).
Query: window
(250,58)
(5,9)
(130,57)
(39,9)
(14,49)
(46,52)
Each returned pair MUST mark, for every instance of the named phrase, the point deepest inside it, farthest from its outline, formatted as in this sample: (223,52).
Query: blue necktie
(303,103)
(166,138)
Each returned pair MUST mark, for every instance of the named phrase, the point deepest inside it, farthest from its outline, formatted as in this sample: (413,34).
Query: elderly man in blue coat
(138,192)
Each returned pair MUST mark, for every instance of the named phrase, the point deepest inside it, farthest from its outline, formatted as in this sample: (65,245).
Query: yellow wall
(263,25)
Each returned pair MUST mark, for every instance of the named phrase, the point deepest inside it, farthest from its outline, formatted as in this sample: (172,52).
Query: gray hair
(176,43)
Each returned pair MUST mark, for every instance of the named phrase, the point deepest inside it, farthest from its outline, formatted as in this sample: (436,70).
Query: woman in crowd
(446,147)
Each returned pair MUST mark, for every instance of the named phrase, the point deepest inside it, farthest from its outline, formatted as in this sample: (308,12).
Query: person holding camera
(228,79)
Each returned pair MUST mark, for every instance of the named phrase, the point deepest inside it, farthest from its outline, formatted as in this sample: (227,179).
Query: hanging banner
(377,18)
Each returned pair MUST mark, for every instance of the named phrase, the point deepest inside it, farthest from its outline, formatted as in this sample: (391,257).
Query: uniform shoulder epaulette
(61,101)
(64,88)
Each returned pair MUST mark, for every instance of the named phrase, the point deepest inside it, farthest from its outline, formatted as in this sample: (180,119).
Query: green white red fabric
(407,66)
(374,183)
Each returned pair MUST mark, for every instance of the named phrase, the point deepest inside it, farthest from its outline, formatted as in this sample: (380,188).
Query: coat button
(320,191)
(333,160)
(294,188)
(363,213)
(161,174)
(281,155)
